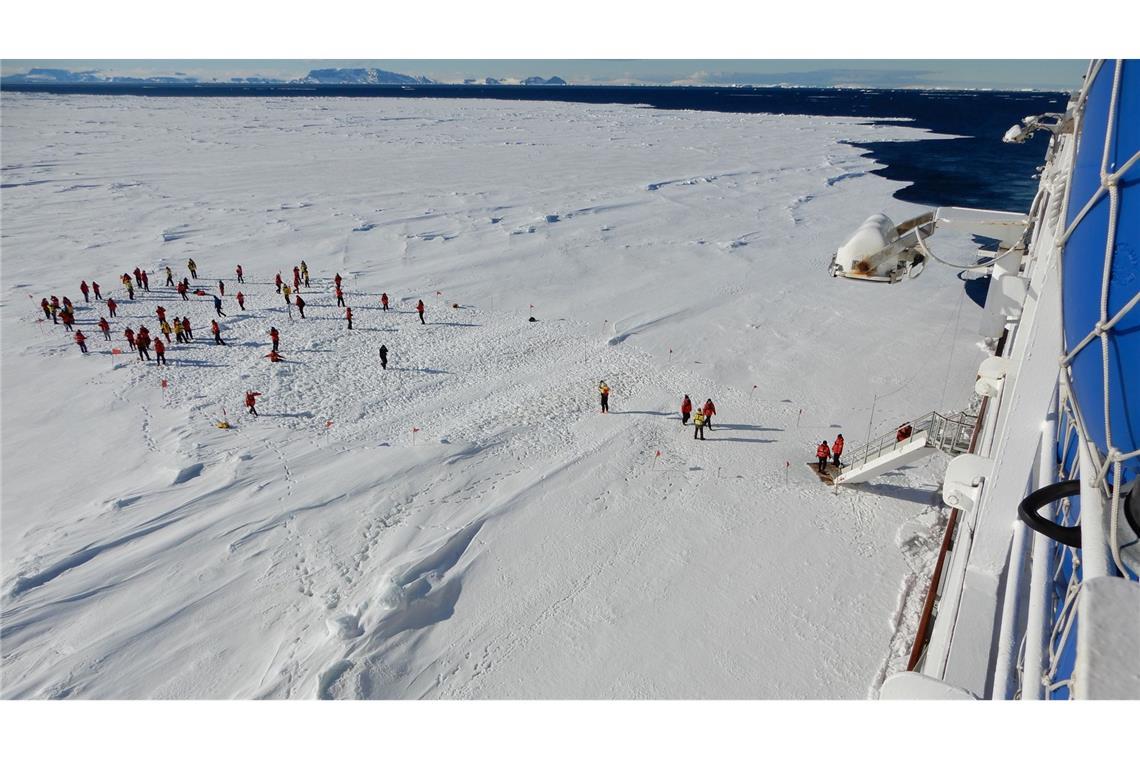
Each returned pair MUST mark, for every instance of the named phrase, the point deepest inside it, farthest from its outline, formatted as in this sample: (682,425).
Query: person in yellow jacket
(699,420)
(604,390)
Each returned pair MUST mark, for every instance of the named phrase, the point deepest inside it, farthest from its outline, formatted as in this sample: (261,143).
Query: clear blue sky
(1001,74)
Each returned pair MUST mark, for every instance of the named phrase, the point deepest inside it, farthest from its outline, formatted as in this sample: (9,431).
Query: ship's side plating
(1017,611)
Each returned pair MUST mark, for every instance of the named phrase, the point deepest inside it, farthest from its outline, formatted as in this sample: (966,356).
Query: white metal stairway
(934,432)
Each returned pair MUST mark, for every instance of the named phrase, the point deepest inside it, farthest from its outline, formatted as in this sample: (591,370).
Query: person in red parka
(240,275)
(277,281)
(241,300)
(129,334)
(105,326)
(337,279)
(384,301)
(186,329)
(837,449)
(216,329)
(138,277)
(339,296)
(161,313)
(251,402)
(822,453)
(348,316)
(145,280)
(221,288)
(159,352)
(686,409)
(68,317)
(708,410)
(81,340)
(420,309)
(111,305)
(95,289)
(300,305)
(83,289)
(274,336)
(46,307)
(296,278)
(182,289)
(903,433)
(142,343)
(273,356)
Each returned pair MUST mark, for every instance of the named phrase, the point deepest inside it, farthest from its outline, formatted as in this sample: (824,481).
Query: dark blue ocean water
(978,170)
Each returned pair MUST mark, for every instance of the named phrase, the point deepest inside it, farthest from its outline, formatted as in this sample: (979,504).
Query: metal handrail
(950,433)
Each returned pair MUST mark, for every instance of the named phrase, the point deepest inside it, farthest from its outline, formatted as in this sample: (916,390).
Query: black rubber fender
(1029,512)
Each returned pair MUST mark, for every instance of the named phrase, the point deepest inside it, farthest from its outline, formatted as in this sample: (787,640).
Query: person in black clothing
(383,357)
(218,306)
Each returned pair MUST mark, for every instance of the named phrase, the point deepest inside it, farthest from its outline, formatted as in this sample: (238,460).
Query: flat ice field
(523,545)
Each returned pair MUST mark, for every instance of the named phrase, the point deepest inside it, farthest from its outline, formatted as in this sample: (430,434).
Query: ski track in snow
(524,545)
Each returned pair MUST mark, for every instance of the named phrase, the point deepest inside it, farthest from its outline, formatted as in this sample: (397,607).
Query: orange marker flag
(328,424)
(164,382)
(116,351)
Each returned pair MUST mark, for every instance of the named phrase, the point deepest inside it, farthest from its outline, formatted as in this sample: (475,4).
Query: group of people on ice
(702,418)
(178,329)
(823,452)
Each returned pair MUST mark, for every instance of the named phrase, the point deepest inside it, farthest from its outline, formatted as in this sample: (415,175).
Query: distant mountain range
(360,76)
(316,76)
(90,77)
